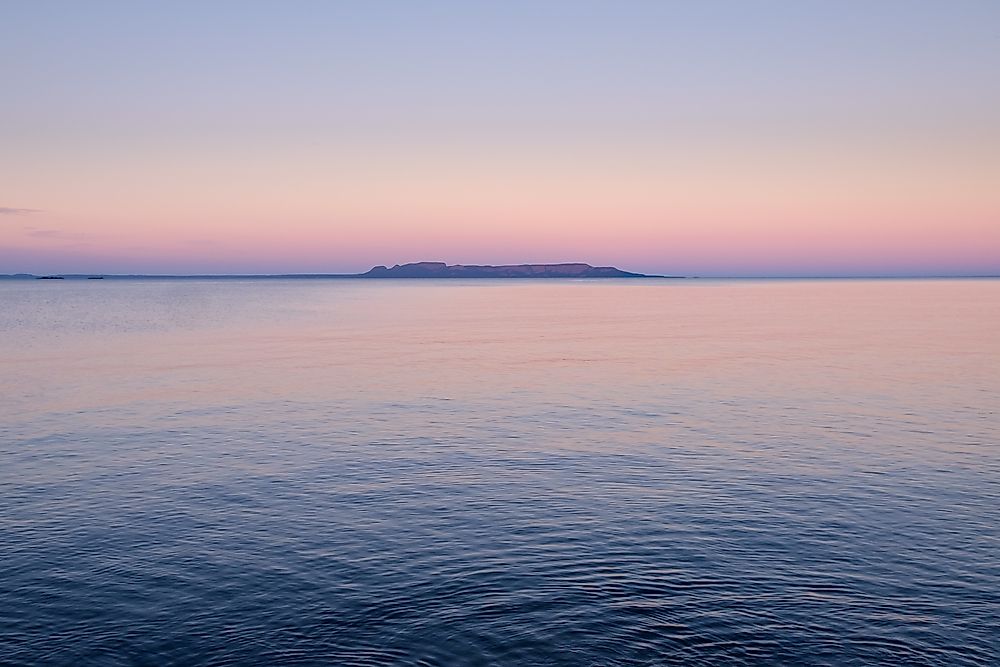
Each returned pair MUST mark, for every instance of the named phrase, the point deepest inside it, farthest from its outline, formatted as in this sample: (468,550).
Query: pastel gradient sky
(702,138)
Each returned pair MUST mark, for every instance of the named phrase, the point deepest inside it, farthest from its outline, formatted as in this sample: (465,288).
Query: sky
(698,138)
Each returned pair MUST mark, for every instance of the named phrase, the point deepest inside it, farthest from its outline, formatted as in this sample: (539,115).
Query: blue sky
(284,136)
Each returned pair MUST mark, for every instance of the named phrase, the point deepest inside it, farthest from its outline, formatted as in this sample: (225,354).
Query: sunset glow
(749,139)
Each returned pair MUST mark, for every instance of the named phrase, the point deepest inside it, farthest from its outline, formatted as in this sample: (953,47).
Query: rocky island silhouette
(411,270)
(442,270)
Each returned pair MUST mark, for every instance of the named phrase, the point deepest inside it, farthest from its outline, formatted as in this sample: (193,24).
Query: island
(412,270)
(442,270)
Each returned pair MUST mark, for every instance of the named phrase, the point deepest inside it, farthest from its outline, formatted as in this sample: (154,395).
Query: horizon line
(120,276)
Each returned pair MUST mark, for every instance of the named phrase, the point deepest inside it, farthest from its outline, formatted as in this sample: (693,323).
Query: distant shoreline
(443,271)
(414,270)
(340,276)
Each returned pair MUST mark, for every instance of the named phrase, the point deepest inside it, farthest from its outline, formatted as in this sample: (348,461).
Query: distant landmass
(413,270)
(442,270)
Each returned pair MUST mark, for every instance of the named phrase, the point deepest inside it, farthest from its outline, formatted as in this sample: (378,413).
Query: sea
(499,472)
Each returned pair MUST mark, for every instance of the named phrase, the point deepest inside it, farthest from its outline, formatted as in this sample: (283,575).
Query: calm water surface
(513,473)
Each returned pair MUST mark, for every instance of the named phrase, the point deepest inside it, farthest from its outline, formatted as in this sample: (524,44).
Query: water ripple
(312,479)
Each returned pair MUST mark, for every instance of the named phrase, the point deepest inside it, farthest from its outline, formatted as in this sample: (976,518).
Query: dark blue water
(565,473)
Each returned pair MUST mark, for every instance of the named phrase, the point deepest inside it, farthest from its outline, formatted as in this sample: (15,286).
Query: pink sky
(668,139)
